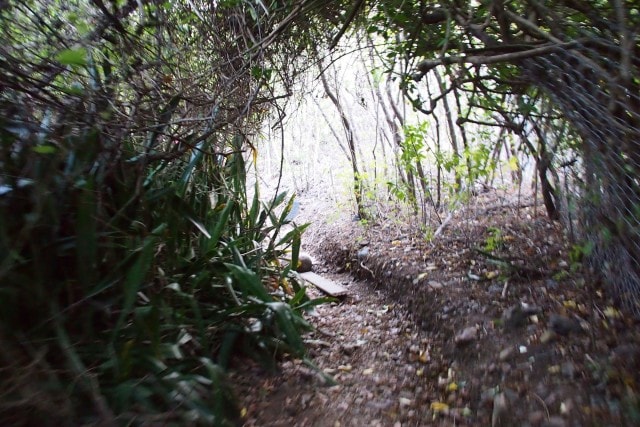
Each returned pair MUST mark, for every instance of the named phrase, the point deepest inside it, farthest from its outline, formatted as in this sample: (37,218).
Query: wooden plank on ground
(325,285)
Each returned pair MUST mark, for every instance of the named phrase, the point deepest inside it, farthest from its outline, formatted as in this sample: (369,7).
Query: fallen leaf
(439,407)
(492,274)
(612,313)
(421,276)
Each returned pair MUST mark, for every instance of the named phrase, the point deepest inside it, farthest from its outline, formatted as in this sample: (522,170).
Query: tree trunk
(452,129)
(351,145)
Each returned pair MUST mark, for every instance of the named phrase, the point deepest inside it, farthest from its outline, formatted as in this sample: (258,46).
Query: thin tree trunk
(397,114)
(348,130)
(452,131)
(543,164)
(465,141)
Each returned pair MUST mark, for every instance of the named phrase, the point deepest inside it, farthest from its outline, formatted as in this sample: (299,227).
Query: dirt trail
(439,333)
(370,348)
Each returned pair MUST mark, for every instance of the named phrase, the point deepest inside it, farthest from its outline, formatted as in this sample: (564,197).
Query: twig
(544,405)
(504,289)
(368,269)
(521,270)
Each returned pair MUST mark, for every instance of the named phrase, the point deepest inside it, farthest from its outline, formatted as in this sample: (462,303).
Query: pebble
(363,253)
(467,336)
(568,369)
(435,285)
(495,289)
(506,354)
(551,284)
(547,336)
(404,401)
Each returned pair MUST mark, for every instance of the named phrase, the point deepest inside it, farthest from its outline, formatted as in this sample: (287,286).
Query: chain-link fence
(595,86)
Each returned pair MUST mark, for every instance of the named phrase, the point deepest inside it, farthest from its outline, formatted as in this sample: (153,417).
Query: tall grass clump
(135,264)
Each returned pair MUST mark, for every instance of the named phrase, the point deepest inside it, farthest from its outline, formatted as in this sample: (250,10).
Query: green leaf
(285,318)
(221,225)
(44,149)
(75,89)
(134,279)
(255,206)
(291,234)
(77,57)
(249,282)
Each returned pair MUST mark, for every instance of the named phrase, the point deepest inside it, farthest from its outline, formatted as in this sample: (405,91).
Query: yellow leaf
(243,412)
(439,407)
(513,163)
(452,387)
(612,313)
(491,274)
(570,304)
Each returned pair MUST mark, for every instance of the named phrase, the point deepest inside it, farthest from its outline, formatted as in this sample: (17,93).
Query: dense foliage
(136,261)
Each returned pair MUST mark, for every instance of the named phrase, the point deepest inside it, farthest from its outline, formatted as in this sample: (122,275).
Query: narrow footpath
(490,324)
(375,354)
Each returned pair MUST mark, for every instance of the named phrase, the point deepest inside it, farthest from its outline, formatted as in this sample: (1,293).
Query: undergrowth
(135,264)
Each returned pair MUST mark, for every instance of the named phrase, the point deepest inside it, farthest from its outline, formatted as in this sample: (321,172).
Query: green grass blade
(133,280)
(86,235)
(249,282)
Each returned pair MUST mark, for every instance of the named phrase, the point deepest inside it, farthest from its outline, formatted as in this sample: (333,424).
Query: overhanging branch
(429,64)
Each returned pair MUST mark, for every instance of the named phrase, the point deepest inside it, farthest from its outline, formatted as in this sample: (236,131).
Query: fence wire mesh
(596,87)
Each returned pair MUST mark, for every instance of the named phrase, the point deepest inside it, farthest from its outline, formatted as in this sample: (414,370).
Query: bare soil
(490,323)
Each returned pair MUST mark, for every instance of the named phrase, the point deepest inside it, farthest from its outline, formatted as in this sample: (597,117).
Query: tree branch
(428,64)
